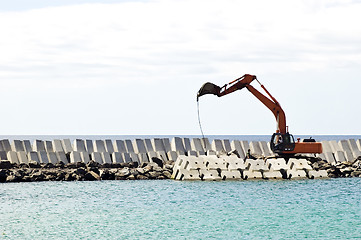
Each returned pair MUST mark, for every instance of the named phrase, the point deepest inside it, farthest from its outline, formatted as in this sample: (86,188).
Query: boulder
(34,164)
(3,175)
(91,176)
(107,174)
(5,164)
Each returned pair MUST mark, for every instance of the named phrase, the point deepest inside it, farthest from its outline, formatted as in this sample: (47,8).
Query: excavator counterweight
(282,142)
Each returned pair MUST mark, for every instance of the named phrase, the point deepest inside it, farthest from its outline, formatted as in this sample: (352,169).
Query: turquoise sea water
(313,209)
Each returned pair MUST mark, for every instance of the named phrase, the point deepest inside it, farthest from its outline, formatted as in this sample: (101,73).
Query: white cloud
(151,44)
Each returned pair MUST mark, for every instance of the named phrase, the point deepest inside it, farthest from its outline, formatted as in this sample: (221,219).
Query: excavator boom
(245,82)
(282,142)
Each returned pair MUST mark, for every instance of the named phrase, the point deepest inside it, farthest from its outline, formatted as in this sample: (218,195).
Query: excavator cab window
(282,142)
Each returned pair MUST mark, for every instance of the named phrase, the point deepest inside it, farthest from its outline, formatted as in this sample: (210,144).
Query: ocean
(166,209)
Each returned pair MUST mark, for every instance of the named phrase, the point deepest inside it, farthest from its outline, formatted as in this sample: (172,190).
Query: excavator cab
(282,143)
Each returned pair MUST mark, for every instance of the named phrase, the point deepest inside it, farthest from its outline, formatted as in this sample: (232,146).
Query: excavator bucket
(208,88)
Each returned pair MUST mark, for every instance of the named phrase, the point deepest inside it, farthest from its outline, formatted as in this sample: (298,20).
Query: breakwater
(63,160)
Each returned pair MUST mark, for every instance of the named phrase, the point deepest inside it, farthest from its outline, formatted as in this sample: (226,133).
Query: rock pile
(338,170)
(91,171)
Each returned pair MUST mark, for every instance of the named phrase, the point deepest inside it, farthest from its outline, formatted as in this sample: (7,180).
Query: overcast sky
(134,67)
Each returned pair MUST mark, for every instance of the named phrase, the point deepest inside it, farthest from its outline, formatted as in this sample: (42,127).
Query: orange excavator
(282,142)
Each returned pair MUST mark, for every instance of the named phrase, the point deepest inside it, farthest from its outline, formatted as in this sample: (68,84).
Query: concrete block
(245,146)
(272,174)
(85,157)
(172,155)
(298,164)
(226,145)
(139,146)
(135,157)
(349,156)
(43,157)
(192,153)
(276,164)
(48,146)
(66,145)
(217,145)
(211,153)
(61,157)
(234,163)
(334,146)
(167,145)
(3,155)
(75,157)
(321,155)
(353,145)
(117,157)
(109,146)
(22,157)
(317,174)
(127,158)
(27,146)
(187,144)
(143,157)
(158,145)
(148,145)
(99,146)
(192,163)
(255,148)
(12,157)
(162,155)
(231,175)
(120,146)
(106,157)
(329,157)
(256,165)
(58,146)
(296,174)
(326,146)
(177,144)
(206,144)
(152,155)
(344,145)
(89,145)
(266,151)
(39,146)
(201,153)
(209,175)
(79,145)
(236,145)
(97,157)
(213,163)
(358,143)
(249,175)
(52,157)
(196,145)
(182,174)
(33,156)
(340,156)
(17,146)
(5,145)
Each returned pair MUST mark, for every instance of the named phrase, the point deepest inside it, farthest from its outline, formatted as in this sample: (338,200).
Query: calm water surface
(313,209)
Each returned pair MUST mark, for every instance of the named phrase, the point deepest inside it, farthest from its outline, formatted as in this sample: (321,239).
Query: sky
(88,67)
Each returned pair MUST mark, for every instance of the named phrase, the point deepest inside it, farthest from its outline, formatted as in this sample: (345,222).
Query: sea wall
(63,160)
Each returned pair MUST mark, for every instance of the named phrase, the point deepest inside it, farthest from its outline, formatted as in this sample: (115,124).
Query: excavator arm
(245,82)
(281,142)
